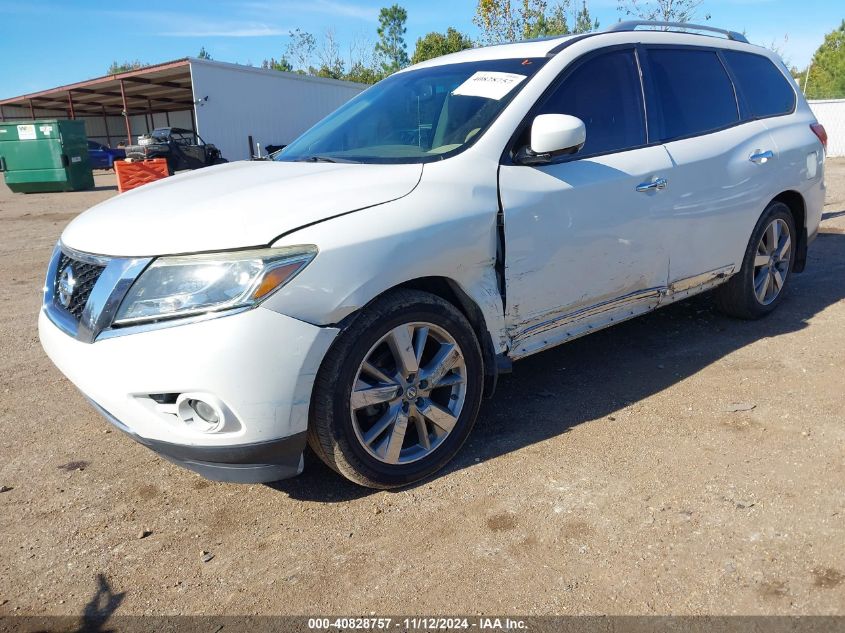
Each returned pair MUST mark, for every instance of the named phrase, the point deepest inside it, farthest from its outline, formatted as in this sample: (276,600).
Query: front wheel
(759,286)
(399,391)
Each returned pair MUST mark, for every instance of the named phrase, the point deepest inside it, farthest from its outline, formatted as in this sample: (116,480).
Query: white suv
(362,292)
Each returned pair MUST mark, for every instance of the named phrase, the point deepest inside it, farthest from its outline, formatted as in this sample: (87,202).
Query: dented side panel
(445,228)
(568,326)
(579,235)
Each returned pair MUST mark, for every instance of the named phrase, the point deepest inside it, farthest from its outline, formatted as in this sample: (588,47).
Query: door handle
(658,184)
(761,158)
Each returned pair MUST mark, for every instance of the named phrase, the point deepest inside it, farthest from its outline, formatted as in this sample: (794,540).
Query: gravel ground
(608,476)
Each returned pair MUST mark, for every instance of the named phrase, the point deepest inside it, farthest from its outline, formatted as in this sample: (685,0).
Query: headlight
(195,284)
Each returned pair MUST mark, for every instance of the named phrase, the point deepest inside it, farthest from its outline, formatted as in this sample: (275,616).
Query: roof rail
(632,25)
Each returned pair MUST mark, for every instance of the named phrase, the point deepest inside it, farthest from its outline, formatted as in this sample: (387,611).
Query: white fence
(831,114)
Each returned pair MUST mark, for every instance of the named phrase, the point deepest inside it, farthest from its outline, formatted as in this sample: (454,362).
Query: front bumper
(259,364)
(243,464)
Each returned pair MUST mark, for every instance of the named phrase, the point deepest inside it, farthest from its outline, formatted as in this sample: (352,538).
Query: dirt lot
(607,476)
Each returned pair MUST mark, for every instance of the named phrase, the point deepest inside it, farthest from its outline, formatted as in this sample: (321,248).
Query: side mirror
(553,135)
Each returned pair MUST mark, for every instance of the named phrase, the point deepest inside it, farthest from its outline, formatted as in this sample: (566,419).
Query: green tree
(535,20)
(584,22)
(363,74)
(306,55)
(300,51)
(825,77)
(663,10)
(498,21)
(281,64)
(391,46)
(331,64)
(204,54)
(124,67)
(507,21)
(437,44)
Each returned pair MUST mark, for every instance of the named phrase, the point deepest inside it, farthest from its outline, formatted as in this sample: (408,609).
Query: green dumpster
(45,155)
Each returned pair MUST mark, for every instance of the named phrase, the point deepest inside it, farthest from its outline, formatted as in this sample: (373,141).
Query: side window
(694,93)
(764,89)
(606,94)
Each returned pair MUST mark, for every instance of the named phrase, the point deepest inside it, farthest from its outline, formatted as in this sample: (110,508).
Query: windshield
(416,116)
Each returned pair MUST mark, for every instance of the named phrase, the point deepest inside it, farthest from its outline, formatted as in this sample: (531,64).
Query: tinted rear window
(764,89)
(694,91)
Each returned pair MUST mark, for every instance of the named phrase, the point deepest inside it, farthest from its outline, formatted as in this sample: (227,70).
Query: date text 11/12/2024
(417,623)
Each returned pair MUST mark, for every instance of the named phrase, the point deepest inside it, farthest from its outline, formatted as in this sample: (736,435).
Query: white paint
(831,114)
(228,358)
(715,197)
(271,106)
(563,221)
(583,247)
(812,165)
(557,132)
(247,203)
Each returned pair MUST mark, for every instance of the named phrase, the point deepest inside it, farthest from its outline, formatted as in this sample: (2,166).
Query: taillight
(818,130)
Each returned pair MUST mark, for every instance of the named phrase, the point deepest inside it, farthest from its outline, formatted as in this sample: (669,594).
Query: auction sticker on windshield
(488,84)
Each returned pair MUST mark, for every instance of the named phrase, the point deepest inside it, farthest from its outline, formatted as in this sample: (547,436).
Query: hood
(233,206)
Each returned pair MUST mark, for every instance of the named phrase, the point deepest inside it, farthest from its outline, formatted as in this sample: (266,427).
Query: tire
(360,438)
(741,297)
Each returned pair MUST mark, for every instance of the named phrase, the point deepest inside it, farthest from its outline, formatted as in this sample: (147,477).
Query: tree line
(824,77)
(368,62)
(498,21)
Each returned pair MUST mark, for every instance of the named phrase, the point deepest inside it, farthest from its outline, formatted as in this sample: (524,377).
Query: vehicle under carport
(235,107)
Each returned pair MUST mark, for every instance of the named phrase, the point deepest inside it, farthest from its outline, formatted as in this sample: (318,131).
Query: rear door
(723,163)
(768,94)
(583,245)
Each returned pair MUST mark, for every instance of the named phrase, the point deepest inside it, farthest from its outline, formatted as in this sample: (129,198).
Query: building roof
(162,87)
(165,87)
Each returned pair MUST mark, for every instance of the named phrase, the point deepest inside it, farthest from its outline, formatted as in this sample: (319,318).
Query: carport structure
(235,107)
(116,106)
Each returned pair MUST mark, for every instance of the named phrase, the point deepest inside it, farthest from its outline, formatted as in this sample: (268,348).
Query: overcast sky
(45,44)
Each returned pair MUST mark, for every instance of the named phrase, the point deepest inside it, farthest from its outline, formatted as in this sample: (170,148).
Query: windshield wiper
(322,159)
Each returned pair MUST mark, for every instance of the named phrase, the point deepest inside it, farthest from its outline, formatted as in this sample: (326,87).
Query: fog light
(203,414)
(205,411)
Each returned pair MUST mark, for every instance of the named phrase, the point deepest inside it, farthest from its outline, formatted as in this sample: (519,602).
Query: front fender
(445,228)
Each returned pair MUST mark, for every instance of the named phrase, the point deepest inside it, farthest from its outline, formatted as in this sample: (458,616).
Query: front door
(583,243)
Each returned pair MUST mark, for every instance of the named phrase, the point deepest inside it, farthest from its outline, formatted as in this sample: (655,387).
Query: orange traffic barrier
(135,174)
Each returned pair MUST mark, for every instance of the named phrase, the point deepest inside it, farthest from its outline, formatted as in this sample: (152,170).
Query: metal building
(227,104)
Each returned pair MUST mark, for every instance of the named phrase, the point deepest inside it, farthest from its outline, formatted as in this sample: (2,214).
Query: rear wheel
(399,391)
(759,286)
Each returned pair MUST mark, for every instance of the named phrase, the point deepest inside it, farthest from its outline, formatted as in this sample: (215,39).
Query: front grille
(85,275)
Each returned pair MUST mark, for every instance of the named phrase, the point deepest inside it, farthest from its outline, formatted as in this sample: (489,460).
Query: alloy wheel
(771,262)
(408,393)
